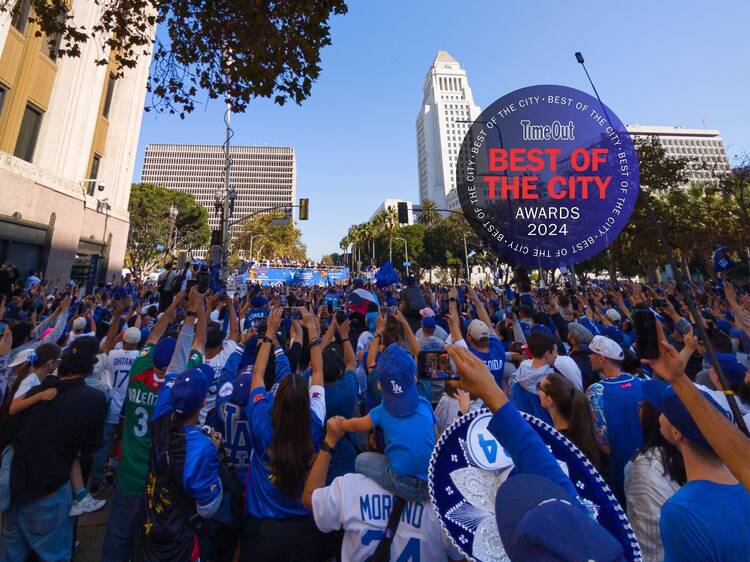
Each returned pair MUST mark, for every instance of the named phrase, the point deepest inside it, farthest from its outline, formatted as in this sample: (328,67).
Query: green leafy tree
(429,215)
(233,49)
(152,232)
(271,240)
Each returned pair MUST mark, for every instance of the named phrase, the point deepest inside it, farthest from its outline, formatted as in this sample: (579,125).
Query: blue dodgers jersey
(263,498)
(494,358)
(230,421)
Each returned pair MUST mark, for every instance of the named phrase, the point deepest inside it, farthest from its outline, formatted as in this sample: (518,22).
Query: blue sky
(664,62)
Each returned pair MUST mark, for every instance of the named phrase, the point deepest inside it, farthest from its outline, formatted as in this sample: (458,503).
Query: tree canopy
(235,49)
(152,235)
(269,240)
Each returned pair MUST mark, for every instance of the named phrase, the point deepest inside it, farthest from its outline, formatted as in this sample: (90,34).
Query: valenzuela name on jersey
(139,396)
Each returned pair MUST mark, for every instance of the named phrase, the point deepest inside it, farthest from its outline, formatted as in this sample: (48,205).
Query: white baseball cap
(132,336)
(606,347)
(478,330)
(79,323)
(613,315)
(21,357)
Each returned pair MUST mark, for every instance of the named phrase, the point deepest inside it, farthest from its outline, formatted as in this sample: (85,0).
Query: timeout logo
(547,176)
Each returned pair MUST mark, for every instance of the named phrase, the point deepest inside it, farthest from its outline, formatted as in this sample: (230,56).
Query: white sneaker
(89,504)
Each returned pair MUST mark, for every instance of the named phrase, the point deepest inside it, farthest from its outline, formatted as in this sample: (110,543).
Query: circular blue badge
(468,466)
(547,176)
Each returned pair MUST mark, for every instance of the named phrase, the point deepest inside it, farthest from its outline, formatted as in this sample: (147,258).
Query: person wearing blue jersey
(615,400)
(286,430)
(480,339)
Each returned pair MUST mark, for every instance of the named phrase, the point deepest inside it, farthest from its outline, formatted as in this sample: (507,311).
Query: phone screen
(435,366)
(646,337)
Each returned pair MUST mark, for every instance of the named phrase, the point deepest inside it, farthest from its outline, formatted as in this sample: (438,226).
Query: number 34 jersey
(143,390)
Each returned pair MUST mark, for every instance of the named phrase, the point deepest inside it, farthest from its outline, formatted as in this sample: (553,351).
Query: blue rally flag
(721,259)
(386,275)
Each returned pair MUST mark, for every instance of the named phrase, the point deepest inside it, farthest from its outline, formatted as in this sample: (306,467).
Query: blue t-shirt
(200,475)
(529,402)
(341,400)
(616,423)
(263,498)
(494,358)
(706,521)
(408,441)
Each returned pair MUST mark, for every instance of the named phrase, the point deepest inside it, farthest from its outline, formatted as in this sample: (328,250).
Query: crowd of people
(256,426)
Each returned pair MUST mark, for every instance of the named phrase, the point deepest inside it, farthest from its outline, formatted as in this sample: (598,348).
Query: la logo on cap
(396,388)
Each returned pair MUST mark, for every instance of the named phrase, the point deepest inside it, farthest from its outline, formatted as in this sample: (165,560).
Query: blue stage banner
(293,276)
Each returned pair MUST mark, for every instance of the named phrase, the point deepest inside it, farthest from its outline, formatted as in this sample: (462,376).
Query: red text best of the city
(534,160)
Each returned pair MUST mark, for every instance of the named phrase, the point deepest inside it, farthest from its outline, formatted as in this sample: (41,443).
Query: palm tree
(429,214)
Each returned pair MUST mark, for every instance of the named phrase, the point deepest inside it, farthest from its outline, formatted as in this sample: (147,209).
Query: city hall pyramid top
(444,56)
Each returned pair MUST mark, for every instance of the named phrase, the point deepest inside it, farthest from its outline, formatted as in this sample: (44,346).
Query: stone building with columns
(69,132)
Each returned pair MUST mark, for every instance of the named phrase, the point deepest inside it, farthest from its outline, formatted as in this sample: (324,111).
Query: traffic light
(403,212)
(304,209)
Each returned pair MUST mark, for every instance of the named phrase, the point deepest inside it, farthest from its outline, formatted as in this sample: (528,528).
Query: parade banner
(547,176)
(294,276)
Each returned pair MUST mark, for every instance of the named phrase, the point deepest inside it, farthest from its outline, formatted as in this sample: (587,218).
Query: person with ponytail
(286,430)
(571,414)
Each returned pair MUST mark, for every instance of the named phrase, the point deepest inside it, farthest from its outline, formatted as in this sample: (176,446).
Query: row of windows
(208,158)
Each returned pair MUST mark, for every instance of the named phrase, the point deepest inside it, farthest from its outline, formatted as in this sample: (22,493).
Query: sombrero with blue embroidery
(468,466)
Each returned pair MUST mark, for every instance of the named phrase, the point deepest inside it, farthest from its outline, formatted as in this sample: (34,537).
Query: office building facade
(447,110)
(704,147)
(262,176)
(68,138)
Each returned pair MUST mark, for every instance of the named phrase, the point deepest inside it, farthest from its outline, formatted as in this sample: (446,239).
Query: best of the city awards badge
(547,176)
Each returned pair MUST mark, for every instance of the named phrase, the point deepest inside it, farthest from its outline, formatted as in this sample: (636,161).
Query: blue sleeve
(225,384)
(283,368)
(529,453)
(258,414)
(200,475)
(376,414)
(164,400)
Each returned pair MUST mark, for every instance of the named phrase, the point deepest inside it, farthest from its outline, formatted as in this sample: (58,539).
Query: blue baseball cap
(733,369)
(259,301)
(358,282)
(724,325)
(241,388)
(665,399)
(163,353)
(539,521)
(189,391)
(542,328)
(428,322)
(398,384)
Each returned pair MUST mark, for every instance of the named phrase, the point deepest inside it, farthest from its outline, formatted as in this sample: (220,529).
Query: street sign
(407,264)
(280,221)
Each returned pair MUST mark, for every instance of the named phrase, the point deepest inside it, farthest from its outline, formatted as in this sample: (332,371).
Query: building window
(3,91)
(27,136)
(93,174)
(21,15)
(108,96)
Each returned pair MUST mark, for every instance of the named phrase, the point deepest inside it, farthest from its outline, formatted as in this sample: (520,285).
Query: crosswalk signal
(304,209)
(403,212)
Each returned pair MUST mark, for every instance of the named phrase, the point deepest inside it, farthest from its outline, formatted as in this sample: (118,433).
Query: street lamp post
(466,256)
(406,253)
(173,213)
(253,237)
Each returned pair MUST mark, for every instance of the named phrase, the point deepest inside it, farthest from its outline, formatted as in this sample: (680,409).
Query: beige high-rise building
(261,176)
(704,147)
(68,140)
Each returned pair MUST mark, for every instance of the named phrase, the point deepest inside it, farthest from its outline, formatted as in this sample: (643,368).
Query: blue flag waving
(721,259)
(386,275)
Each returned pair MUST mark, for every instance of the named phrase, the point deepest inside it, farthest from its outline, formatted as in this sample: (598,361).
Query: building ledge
(31,172)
